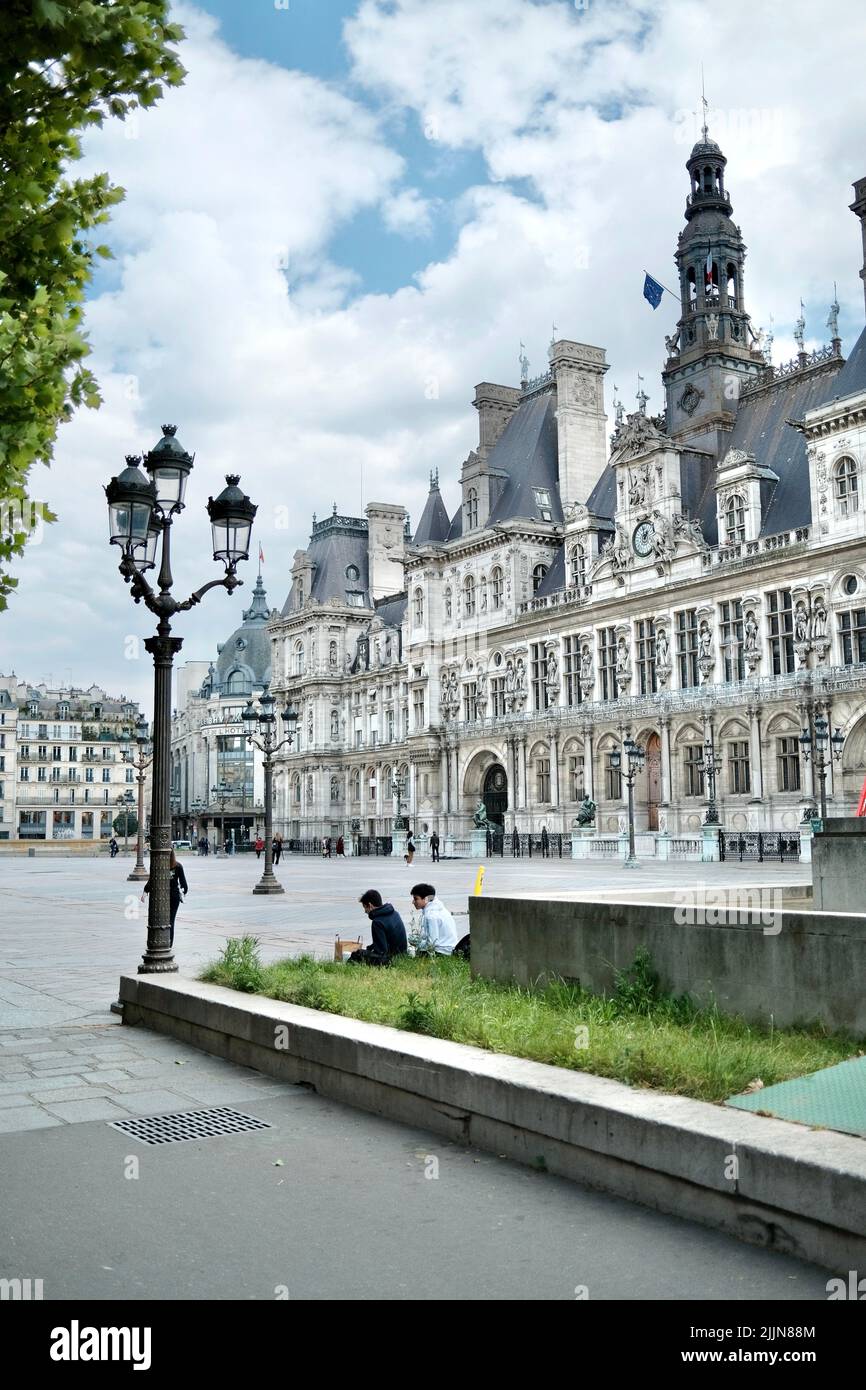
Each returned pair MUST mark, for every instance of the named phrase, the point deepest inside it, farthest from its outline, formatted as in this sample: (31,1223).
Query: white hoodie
(438,929)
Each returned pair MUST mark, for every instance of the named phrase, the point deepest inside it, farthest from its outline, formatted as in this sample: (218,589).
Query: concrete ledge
(795,1189)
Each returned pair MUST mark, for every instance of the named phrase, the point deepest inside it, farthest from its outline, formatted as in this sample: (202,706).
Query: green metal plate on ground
(834,1098)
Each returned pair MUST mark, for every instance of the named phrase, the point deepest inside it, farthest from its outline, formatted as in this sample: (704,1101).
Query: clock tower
(713,354)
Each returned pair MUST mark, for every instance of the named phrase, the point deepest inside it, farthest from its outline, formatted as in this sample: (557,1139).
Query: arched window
(731,283)
(708,179)
(735,519)
(300,659)
(496,588)
(578,565)
(355,784)
(237,683)
(845,480)
(692,286)
(419,607)
(371,783)
(300,593)
(537,575)
(296,788)
(471,509)
(449,604)
(468,596)
(542,780)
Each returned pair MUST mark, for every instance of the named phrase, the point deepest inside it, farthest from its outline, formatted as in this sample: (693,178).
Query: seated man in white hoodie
(438,934)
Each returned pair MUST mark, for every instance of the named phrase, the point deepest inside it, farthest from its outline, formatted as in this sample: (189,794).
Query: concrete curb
(796,1190)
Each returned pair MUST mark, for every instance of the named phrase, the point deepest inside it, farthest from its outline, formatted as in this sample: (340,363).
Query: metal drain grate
(189,1124)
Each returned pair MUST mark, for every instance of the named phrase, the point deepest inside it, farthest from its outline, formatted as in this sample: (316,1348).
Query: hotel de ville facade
(699,576)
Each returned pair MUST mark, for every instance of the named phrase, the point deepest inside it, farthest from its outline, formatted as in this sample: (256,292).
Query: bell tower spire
(713,353)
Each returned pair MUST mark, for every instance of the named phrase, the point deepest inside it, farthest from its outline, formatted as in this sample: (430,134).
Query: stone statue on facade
(663,541)
(620,550)
(639,485)
(688,529)
(479,819)
(586,812)
(801,623)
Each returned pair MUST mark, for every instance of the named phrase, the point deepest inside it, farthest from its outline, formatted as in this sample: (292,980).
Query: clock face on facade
(642,539)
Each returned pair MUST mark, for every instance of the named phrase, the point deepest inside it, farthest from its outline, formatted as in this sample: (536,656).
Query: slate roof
(337,543)
(760,429)
(248,650)
(527,452)
(434,524)
(852,377)
(392,609)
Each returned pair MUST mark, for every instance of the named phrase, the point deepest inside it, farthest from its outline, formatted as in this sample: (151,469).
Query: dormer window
(300,593)
(537,575)
(542,502)
(845,487)
(578,566)
(471,509)
(419,607)
(735,520)
(355,600)
(353,574)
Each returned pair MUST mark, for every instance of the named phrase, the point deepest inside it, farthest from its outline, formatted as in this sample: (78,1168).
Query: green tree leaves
(64,66)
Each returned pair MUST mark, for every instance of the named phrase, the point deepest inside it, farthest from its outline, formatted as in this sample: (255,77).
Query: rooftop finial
(434,479)
(800,329)
(524,364)
(705,130)
(553,332)
(833,320)
(334,512)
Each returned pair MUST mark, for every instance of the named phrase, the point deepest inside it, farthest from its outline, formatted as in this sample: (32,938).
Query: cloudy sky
(354,210)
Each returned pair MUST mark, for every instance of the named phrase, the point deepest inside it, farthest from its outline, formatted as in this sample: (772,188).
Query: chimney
(495,406)
(580,419)
(859,207)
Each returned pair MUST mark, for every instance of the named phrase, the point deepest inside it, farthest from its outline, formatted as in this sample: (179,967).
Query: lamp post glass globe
(231,514)
(131,500)
(169,466)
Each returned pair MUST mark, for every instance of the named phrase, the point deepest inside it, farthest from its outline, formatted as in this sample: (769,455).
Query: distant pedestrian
(260,844)
(277,848)
(206,843)
(326,846)
(176,883)
(410,848)
(434,847)
(341,847)
(227,845)
(545,843)
(112,847)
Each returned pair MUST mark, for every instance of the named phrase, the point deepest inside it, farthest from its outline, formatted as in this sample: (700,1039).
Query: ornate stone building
(701,574)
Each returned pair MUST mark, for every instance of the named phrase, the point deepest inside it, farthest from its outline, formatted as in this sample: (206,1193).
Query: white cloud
(236,184)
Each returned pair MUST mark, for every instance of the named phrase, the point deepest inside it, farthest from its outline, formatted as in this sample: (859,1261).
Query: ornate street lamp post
(398,789)
(262,721)
(817,749)
(141,513)
(223,794)
(634,760)
(711,764)
(198,808)
(141,761)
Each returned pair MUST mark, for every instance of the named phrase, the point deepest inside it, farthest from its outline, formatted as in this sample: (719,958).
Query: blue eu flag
(652,291)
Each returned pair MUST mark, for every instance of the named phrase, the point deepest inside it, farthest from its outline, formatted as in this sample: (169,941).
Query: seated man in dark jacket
(389,933)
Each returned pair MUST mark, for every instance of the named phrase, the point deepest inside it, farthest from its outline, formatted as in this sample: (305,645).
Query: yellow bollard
(479,880)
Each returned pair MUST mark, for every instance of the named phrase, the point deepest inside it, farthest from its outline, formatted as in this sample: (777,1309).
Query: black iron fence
(539,846)
(372,844)
(759,846)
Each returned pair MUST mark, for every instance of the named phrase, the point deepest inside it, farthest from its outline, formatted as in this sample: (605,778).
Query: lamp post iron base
(268,885)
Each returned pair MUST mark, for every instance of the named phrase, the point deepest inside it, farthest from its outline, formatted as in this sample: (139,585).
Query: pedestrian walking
(545,843)
(434,847)
(341,847)
(176,884)
(112,847)
(410,848)
(260,844)
(277,848)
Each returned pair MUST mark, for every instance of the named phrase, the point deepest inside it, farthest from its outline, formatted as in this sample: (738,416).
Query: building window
(577,566)
(355,785)
(355,600)
(539,675)
(575,777)
(471,509)
(73,755)
(693,762)
(845,486)
(418,710)
(25,774)
(542,780)
(296,789)
(497,695)
(645,634)
(612,780)
(538,574)
(687,647)
(300,659)
(130,775)
(88,774)
(852,631)
(496,587)
(607,662)
(106,774)
(735,519)
(731,629)
(468,596)
(389,720)
(55,755)
(542,502)
(419,608)
(781,628)
(739,778)
(571,667)
(788,763)
(470,701)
